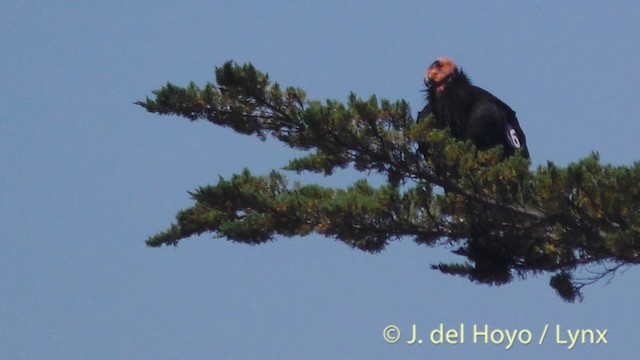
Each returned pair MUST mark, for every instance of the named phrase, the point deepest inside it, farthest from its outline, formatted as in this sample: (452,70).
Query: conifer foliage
(504,218)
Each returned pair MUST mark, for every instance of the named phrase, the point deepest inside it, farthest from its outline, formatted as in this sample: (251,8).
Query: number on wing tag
(512,136)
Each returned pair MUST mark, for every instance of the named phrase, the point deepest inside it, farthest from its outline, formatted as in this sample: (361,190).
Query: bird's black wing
(503,120)
(424,113)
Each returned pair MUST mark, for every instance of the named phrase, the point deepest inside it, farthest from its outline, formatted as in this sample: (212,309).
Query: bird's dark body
(472,113)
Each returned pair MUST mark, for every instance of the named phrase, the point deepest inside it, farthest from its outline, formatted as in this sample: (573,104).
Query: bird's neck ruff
(457,77)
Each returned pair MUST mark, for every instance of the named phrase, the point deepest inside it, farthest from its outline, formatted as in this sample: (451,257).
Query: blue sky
(87,175)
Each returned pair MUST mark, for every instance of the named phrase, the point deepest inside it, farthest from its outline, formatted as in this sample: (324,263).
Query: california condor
(470,113)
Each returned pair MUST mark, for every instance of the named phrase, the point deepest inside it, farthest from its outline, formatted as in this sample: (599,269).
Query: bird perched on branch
(469,112)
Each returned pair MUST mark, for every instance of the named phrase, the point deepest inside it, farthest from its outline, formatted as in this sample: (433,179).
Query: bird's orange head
(440,72)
